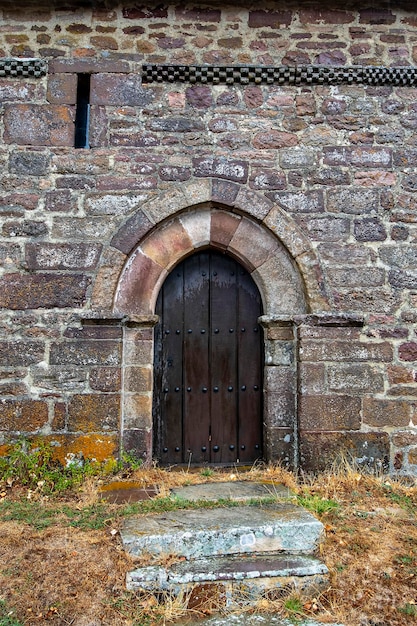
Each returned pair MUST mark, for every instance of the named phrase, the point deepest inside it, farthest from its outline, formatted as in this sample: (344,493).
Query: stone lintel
(330,319)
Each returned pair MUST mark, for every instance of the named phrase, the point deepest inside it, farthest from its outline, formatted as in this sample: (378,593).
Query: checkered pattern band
(303,74)
(29,68)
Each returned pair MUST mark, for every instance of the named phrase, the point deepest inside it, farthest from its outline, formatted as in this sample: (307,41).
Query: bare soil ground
(61,561)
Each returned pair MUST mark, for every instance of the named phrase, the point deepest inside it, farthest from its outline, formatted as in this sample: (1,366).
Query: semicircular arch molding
(286,275)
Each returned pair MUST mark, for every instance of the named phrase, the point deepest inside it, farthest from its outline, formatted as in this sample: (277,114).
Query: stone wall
(329,170)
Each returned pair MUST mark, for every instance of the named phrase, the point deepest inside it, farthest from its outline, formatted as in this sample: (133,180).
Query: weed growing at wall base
(35,467)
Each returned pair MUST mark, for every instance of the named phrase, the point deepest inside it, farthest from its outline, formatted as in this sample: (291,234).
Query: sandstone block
(62,89)
(369,229)
(199,96)
(326,228)
(326,412)
(94,412)
(39,125)
(355,379)
(137,441)
(368,449)
(333,350)
(131,232)
(23,415)
(220,167)
(269,19)
(82,352)
(265,179)
(50,256)
(382,413)
(408,351)
(274,140)
(20,353)
(106,379)
(33,291)
(29,163)
(223,226)
(352,201)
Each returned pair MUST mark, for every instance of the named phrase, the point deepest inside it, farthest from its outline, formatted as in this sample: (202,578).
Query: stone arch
(179,221)
(250,242)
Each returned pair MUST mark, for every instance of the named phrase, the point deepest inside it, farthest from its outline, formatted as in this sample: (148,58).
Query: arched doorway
(208,363)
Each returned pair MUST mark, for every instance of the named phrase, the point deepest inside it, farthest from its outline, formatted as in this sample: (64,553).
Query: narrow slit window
(82,114)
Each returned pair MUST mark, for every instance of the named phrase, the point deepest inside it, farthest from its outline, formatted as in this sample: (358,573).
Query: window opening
(82,115)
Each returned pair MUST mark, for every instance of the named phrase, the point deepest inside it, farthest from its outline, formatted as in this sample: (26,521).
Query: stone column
(280,391)
(137,386)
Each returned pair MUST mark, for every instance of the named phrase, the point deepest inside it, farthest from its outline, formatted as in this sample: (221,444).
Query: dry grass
(66,575)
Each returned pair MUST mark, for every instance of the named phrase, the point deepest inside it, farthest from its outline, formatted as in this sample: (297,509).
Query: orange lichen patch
(98,447)
(4,449)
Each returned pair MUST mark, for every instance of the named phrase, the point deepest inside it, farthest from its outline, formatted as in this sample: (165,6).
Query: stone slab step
(280,527)
(234,581)
(251,619)
(239,491)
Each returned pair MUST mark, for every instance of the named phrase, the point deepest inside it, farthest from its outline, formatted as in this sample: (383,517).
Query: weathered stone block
(59,201)
(131,232)
(274,140)
(138,379)
(367,449)
(329,412)
(176,125)
(265,179)
(297,158)
(137,410)
(223,226)
(119,89)
(408,351)
(220,167)
(300,202)
(113,204)
(380,413)
(25,228)
(94,352)
(62,89)
(279,446)
(312,378)
(94,412)
(279,353)
(92,446)
(325,228)
(138,442)
(369,229)
(403,279)
(29,163)
(23,291)
(358,379)
(368,276)
(50,256)
(269,19)
(39,125)
(352,201)
(23,415)
(59,379)
(326,16)
(399,256)
(106,379)
(371,157)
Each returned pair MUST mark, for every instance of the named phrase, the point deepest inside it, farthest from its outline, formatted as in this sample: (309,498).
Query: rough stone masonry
(310,186)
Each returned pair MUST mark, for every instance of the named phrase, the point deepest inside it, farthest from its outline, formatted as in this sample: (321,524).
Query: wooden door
(208,364)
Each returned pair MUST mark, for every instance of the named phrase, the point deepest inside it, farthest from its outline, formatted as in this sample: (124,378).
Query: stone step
(272,528)
(234,581)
